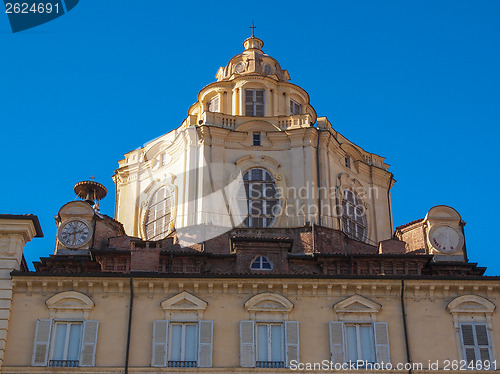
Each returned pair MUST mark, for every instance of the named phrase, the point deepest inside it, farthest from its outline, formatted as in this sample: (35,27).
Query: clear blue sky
(414,81)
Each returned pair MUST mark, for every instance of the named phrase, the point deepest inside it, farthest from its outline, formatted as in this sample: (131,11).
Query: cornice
(418,288)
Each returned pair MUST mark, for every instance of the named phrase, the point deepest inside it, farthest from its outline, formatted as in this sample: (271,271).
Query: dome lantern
(253,43)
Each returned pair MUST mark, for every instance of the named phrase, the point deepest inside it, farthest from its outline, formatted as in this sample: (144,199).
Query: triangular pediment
(184,304)
(357,304)
(184,301)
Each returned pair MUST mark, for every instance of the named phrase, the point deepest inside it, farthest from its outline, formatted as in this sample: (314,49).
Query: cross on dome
(253,29)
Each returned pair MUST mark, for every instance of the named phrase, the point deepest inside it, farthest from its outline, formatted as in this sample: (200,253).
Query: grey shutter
(382,342)
(89,341)
(205,344)
(467,338)
(259,103)
(483,342)
(292,342)
(249,103)
(337,342)
(41,344)
(247,344)
(160,339)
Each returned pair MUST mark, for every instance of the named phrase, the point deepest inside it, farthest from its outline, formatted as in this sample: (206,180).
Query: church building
(253,238)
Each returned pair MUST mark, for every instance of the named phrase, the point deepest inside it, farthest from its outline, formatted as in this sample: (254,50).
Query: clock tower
(76,220)
(440,234)
(445,234)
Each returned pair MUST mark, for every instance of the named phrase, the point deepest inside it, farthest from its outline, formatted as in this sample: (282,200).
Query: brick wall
(144,258)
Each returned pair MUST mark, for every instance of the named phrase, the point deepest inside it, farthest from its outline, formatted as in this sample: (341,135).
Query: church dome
(252,61)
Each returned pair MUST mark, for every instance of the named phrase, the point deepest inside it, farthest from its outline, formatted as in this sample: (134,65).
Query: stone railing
(221,120)
(231,122)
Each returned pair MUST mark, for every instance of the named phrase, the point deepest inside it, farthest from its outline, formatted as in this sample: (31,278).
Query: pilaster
(15,232)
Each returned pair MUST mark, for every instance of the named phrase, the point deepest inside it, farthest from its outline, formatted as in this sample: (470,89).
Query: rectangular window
(254,103)
(348,162)
(295,107)
(360,343)
(183,345)
(270,342)
(213,105)
(65,343)
(475,342)
(256,138)
(366,342)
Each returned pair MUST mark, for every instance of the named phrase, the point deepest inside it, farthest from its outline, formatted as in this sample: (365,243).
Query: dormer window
(213,105)
(261,263)
(256,138)
(295,107)
(254,103)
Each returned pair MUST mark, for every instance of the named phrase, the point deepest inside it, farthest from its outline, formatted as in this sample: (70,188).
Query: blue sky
(414,81)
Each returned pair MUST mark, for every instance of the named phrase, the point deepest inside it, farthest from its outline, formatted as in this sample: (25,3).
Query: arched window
(262,197)
(261,263)
(158,215)
(353,216)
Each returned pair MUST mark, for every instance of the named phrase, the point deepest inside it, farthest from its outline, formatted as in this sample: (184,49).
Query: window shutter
(467,334)
(249,103)
(247,344)
(205,344)
(484,354)
(382,342)
(483,342)
(467,337)
(259,103)
(87,356)
(292,341)
(337,342)
(160,338)
(482,335)
(41,344)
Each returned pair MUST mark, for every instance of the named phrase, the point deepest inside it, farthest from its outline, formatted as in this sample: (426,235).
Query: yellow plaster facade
(433,311)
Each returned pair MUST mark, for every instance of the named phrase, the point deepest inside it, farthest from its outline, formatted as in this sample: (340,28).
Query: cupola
(252,61)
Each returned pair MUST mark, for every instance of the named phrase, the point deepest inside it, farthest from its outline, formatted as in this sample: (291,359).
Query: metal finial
(91,192)
(92,178)
(253,29)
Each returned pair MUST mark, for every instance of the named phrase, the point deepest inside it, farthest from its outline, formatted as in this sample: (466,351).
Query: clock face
(74,233)
(446,239)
